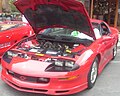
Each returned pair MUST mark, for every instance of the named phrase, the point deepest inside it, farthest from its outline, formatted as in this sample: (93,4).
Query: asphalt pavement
(107,84)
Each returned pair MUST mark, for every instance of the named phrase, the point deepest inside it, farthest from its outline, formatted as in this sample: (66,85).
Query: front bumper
(54,87)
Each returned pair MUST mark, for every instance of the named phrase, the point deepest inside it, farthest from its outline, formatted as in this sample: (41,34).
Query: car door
(21,31)
(5,41)
(107,43)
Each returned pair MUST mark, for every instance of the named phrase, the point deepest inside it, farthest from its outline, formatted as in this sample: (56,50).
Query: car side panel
(11,36)
(103,49)
(21,32)
(5,41)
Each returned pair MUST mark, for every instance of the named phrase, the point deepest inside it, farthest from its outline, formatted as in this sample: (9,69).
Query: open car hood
(56,13)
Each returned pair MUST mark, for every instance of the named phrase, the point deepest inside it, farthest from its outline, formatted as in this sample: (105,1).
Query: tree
(0,5)
(13,8)
(5,6)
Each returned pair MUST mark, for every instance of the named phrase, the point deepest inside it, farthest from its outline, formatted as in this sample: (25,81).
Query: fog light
(43,80)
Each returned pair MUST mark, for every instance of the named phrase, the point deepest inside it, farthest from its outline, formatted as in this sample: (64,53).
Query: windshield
(4,27)
(65,32)
(58,32)
(64,35)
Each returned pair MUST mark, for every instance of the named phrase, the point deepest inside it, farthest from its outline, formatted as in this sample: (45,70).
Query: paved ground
(108,83)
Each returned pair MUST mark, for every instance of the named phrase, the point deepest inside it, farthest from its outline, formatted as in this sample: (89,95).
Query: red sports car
(11,32)
(67,53)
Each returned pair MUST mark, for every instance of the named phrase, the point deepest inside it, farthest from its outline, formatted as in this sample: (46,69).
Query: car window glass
(96,25)
(58,31)
(104,29)
(4,27)
(66,32)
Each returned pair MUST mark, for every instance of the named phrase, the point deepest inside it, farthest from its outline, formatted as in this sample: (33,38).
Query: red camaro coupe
(11,32)
(67,52)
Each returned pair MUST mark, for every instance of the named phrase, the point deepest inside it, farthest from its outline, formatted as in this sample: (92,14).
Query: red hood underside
(55,13)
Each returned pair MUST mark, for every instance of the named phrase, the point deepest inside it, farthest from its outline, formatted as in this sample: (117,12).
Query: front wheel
(114,51)
(92,76)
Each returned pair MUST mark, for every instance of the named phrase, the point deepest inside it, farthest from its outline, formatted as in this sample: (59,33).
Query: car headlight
(12,54)
(69,63)
(62,66)
(64,63)
(9,55)
(59,63)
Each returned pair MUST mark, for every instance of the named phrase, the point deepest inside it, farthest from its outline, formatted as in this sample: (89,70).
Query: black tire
(114,51)
(91,79)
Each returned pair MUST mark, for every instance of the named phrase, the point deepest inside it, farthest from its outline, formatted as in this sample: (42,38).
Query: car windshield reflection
(4,27)
(64,33)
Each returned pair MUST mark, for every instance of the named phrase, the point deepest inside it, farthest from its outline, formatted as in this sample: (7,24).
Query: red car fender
(84,57)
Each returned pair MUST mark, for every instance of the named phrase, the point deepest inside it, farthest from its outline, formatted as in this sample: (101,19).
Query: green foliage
(13,8)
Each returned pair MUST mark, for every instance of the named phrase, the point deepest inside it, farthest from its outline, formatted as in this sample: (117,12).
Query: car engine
(48,47)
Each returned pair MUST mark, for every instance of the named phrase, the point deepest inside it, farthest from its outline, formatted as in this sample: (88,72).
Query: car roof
(96,21)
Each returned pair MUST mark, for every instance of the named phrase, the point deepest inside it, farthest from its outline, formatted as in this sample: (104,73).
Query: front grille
(29,78)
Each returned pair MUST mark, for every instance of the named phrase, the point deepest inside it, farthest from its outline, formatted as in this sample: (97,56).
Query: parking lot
(107,84)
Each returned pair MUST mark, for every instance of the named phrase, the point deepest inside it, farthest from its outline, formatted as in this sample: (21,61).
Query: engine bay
(56,42)
(53,48)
